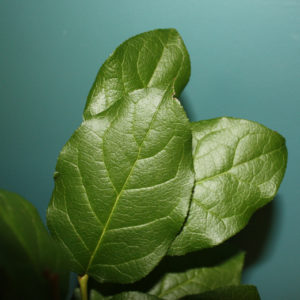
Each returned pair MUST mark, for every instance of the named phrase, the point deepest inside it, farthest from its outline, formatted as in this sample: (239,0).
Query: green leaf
(94,295)
(151,59)
(240,292)
(133,296)
(76,294)
(239,166)
(124,179)
(29,257)
(196,281)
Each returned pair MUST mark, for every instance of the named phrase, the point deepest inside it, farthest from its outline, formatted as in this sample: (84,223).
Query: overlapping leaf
(195,281)
(123,181)
(29,257)
(239,166)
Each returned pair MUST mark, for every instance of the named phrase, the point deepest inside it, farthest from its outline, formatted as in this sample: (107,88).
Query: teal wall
(245,63)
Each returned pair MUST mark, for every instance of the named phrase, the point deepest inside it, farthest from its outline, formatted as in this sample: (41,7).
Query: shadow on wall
(255,236)
(186,103)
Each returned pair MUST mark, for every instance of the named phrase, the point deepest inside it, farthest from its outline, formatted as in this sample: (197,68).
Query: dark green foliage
(32,264)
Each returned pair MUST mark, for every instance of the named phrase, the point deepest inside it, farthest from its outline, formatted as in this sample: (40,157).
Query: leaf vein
(121,191)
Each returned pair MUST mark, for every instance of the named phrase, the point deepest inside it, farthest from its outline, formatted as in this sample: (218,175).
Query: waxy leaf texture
(239,166)
(124,179)
(151,59)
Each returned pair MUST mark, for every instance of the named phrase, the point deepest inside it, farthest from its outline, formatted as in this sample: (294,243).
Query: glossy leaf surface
(195,281)
(124,179)
(28,255)
(151,59)
(240,292)
(239,166)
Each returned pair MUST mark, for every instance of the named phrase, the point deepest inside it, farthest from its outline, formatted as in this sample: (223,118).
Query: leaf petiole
(83,280)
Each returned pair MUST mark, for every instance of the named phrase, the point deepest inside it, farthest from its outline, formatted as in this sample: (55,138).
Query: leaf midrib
(122,190)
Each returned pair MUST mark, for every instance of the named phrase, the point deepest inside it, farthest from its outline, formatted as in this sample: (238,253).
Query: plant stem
(83,280)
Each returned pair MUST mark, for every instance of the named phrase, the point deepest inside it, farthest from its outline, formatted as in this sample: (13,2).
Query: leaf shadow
(187,105)
(255,236)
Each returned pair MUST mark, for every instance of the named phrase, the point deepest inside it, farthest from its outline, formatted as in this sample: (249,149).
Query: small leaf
(240,292)
(31,260)
(94,295)
(133,296)
(195,281)
(239,166)
(125,177)
(76,294)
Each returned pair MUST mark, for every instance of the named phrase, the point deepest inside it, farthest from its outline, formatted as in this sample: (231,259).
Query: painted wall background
(245,63)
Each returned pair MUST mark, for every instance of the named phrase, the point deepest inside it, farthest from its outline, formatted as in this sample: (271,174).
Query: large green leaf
(195,281)
(240,292)
(32,263)
(239,166)
(123,181)
(151,59)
